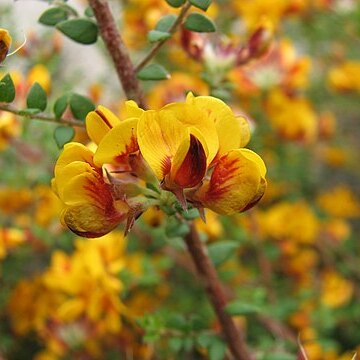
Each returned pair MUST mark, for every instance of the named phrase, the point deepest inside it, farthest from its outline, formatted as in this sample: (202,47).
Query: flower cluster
(194,150)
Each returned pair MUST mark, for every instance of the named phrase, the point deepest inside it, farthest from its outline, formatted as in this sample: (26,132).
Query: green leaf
(175,344)
(27,112)
(60,106)
(53,16)
(36,98)
(156,35)
(220,251)
(217,350)
(165,23)
(278,356)
(199,23)
(201,4)
(89,12)
(62,135)
(80,106)
(83,31)
(7,89)
(153,72)
(175,3)
(240,308)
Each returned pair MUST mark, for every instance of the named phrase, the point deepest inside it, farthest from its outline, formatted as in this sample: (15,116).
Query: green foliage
(60,106)
(199,23)
(175,3)
(221,251)
(153,72)
(53,16)
(156,35)
(201,4)
(82,30)
(62,135)
(165,23)
(239,308)
(37,98)
(7,89)
(80,106)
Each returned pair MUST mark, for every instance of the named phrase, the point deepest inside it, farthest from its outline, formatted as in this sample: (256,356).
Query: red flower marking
(193,168)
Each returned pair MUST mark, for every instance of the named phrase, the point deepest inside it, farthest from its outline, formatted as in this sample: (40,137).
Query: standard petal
(159,139)
(236,182)
(232,132)
(118,143)
(99,123)
(191,116)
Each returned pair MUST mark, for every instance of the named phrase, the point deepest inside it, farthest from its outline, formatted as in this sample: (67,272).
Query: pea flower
(5,42)
(193,149)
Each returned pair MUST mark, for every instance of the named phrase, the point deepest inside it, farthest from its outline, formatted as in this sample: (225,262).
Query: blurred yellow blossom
(335,289)
(293,118)
(9,129)
(339,201)
(345,77)
(291,221)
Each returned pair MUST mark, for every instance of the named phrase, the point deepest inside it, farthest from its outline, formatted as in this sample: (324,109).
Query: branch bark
(214,289)
(118,51)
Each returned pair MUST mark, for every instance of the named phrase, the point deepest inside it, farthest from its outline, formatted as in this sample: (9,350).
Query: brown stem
(118,51)
(41,116)
(154,50)
(216,295)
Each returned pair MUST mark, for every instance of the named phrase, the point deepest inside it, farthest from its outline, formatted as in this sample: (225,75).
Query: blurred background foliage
(290,265)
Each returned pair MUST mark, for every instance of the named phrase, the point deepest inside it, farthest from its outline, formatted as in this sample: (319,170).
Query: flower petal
(117,143)
(99,122)
(235,184)
(159,139)
(232,132)
(192,116)
(73,152)
(88,220)
(189,170)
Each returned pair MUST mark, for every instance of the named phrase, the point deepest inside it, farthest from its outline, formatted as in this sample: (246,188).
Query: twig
(158,45)
(118,51)
(216,295)
(41,116)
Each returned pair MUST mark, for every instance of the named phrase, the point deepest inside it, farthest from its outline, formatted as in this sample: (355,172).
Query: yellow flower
(39,73)
(291,221)
(340,202)
(9,239)
(281,67)
(253,10)
(345,77)
(182,141)
(336,290)
(293,118)
(5,42)
(90,207)
(9,128)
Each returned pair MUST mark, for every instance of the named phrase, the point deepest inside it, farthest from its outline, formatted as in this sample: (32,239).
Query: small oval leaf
(80,106)
(83,31)
(156,35)
(53,16)
(60,106)
(199,23)
(240,308)
(221,251)
(201,4)
(153,72)
(175,3)
(36,98)
(166,22)
(62,135)
(7,89)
